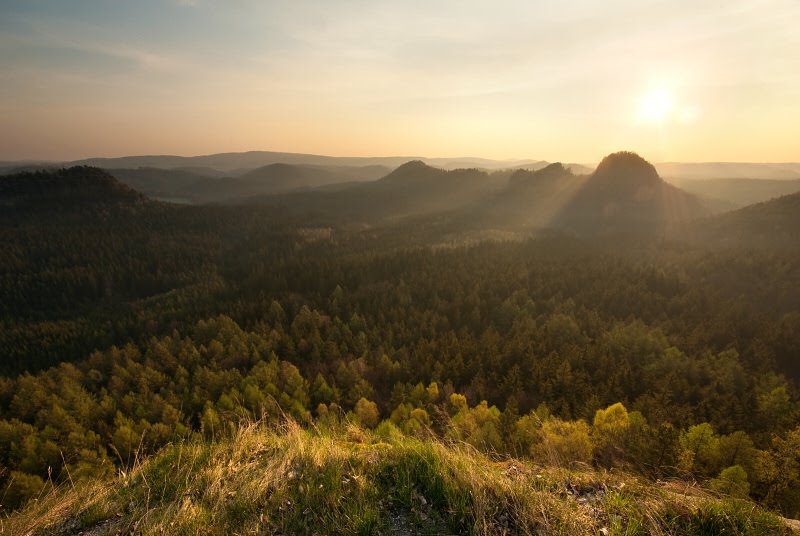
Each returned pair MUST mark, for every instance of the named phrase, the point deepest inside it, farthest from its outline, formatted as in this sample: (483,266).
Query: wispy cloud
(75,36)
(553,75)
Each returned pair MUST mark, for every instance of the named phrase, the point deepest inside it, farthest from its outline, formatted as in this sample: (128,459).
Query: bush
(564,442)
(21,488)
(367,413)
(732,481)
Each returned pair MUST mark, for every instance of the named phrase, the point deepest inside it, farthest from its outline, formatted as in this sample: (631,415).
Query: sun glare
(656,106)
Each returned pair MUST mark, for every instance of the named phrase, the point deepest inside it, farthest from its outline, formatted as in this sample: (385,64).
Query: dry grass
(297,481)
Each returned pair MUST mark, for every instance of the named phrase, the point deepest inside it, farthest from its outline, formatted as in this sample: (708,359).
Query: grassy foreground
(298,481)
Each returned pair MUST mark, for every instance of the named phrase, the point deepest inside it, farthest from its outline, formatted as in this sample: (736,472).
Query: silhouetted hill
(625,193)
(414,188)
(64,189)
(627,169)
(772,223)
(531,199)
(415,171)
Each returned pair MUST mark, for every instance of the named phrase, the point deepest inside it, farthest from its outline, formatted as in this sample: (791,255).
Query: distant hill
(176,185)
(235,163)
(64,189)
(739,192)
(203,171)
(727,170)
(284,177)
(193,185)
(771,223)
(414,188)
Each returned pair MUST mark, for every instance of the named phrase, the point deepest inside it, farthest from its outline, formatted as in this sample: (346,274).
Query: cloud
(88,43)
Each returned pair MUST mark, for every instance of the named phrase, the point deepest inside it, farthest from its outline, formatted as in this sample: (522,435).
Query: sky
(509,79)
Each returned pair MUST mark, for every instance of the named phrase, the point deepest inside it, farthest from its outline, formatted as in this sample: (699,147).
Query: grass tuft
(291,480)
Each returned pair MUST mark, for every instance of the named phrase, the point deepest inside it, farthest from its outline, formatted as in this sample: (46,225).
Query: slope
(351,481)
(740,192)
(774,223)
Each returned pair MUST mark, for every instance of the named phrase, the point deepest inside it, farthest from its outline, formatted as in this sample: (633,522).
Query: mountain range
(623,194)
(236,177)
(235,164)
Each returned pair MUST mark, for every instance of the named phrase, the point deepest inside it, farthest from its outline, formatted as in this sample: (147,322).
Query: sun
(656,106)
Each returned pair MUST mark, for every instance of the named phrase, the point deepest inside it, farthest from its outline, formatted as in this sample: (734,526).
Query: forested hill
(64,189)
(412,189)
(625,193)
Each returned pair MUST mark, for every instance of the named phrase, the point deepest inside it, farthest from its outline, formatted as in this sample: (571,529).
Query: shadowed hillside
(625,193)
(64,189)
(774,223)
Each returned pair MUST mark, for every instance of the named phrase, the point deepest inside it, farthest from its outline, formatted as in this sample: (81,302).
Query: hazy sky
(556,80)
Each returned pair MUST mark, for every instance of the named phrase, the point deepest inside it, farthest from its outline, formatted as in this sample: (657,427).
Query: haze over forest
(245,290)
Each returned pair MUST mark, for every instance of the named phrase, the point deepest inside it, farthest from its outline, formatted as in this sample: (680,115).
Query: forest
(127,324)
